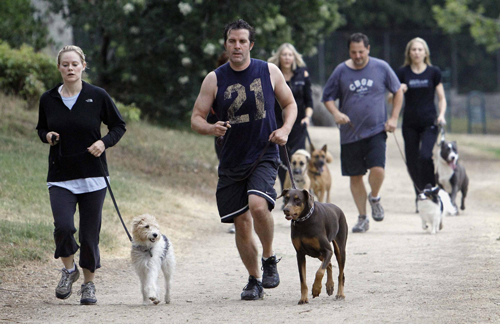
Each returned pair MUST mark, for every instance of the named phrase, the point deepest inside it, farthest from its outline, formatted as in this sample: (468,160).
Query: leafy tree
(20,23)
(478,15)
(156,52)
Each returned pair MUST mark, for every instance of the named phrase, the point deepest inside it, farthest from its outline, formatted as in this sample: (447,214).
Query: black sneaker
(363,224)
(253,290)
(270,276)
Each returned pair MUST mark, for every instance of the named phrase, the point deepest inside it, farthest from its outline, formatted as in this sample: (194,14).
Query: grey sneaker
(231,229)
(377,209)
(63,289)
(363,224)
(88,294)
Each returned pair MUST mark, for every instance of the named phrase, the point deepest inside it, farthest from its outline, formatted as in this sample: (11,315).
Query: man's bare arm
(340,118)
(202,107)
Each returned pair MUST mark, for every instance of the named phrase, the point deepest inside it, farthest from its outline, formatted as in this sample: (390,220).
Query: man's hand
(341,118)
(279,136)
(220,128)
(391,124)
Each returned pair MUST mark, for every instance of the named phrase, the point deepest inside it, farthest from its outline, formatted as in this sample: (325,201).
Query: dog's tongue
(452,165)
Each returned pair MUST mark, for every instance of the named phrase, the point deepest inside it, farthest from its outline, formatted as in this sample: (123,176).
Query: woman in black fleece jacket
(71,114)
(294,70)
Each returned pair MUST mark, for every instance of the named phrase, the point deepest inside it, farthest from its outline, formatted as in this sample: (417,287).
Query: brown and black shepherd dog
(321,180)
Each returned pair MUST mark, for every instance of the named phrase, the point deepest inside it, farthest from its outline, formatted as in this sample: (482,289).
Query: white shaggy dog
(433,205)
(151,252)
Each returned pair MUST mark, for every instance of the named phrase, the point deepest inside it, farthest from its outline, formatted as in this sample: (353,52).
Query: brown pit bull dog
(314,227)
(321,180)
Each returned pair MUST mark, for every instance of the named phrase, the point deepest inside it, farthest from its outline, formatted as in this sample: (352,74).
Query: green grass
(152,170)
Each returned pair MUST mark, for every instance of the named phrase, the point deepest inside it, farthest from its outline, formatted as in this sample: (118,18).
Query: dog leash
(53,138)
(287,163)
(404,160)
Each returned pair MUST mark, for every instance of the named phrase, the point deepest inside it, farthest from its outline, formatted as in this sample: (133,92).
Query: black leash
(54,140)
(404,160)
(287,163)
(113,198)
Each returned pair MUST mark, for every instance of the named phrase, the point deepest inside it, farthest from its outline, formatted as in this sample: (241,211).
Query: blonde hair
(427,59)
(71,48)
(297,62)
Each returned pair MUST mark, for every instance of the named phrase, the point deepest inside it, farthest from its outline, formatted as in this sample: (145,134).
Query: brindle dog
(315,226)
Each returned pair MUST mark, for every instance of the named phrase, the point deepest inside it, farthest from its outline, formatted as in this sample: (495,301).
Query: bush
(130,113)
(26,73)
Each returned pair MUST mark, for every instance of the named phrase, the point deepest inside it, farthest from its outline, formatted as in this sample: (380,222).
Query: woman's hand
(97,148)
(305,121)
(404,87)
(49,138)
(441,120)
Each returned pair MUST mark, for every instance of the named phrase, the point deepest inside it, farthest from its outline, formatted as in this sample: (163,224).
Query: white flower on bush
(185,8)
(128,8)
(135,30)
(181,48)
(280,20)
(258,30)
(186,61)
(324,12)
(221,41)
(183,79)
(209,49)
(203,73)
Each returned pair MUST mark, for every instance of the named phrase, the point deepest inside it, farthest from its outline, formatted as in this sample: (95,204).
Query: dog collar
(163,255)
(138,247)
(301,219)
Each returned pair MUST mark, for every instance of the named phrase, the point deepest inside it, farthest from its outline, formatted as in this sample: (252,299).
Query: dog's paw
(316,290)
(155,300)
(340,297)
(303,301)
(330,289)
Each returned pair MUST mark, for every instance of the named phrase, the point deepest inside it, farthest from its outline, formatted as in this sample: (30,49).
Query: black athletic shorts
(356,158)
(232,193)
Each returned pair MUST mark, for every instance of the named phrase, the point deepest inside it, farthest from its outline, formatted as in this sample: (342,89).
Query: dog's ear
(311,147)
(435,190)
(454,145)
(324,148)
(283,193)
(310,197)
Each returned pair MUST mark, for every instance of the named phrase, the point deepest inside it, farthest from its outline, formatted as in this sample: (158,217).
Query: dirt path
(395,273)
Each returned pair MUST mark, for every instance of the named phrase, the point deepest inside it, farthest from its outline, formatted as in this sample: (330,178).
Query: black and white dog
(450,175)
(433,205)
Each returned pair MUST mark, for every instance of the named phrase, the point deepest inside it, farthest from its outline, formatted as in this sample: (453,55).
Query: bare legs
(258,218)
(68,264)
(358,190)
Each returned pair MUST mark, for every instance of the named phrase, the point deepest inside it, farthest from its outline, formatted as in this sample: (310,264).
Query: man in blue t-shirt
(360,84)
(242,94)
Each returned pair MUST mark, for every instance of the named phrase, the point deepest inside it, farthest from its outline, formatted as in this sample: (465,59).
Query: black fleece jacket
(78,129)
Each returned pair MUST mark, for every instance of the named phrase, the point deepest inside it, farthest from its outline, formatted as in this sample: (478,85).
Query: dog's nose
(155,235)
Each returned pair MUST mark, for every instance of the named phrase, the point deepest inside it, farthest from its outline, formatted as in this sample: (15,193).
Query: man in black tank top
(242,94)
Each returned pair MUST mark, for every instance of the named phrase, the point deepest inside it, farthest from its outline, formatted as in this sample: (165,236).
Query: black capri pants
(419,142)
(63,203)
